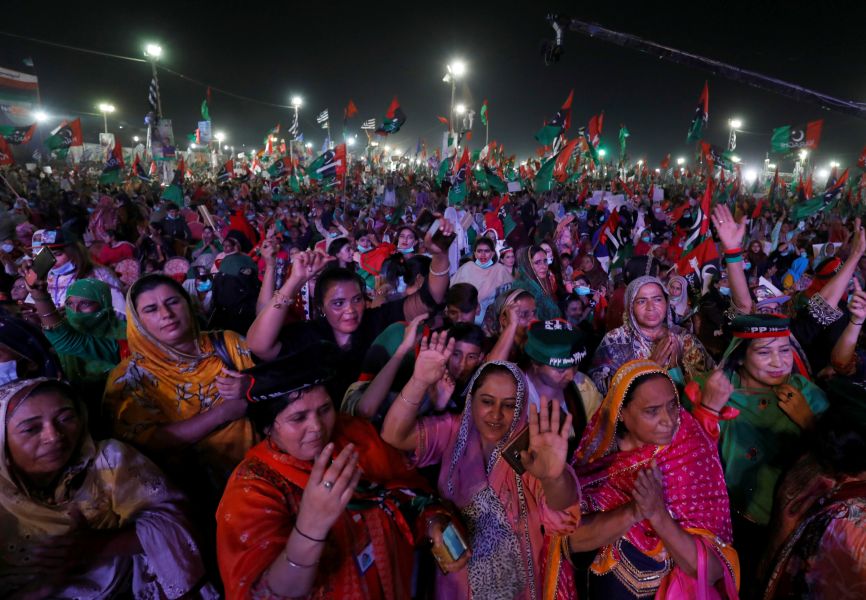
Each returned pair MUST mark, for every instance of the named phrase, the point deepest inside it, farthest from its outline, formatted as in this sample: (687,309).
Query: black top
(296,337)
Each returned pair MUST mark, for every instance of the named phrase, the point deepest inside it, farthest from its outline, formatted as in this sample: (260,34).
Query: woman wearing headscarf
(24,351)
(678,292)
(648,332)
(81,519)
(294,523)
(487,274)
(180,389)
(508,514)
(535,276)
(653,495)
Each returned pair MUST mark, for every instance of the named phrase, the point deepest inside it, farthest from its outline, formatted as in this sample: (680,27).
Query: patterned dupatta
(694,484)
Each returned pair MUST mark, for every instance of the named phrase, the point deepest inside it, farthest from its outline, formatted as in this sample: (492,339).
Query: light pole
(297,101)
(153,52)
(105,108)
(456,70)
(734,125)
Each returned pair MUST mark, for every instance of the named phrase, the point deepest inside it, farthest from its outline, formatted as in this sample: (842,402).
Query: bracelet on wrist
(853,322)
(733,259)
(733,251)
(440,273)
(297,565)
(311,538)
(407,401)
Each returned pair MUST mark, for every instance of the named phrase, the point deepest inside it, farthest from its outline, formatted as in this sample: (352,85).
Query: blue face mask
(332,234)
(484,265)
(645,239)
(747,265)
(406,250)
(251,216)
(64,269)
(7,248)
(802,255)
(361,249)
(582,290)
(725,291)
(785,252)
(204,286)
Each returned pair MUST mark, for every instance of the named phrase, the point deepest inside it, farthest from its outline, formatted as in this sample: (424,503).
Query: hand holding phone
(449,546)
(42,264)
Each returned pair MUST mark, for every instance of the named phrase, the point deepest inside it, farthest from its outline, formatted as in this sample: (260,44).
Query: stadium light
(823,173)
(297,101)
(457,68)
(40,116)
(602,152)
(460,109)
(803,154)
(735,123)
(153,51)
(751,175)
(219,136)
(135,138)
(681,160)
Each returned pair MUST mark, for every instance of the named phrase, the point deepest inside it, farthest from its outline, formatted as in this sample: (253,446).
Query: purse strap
(218,340)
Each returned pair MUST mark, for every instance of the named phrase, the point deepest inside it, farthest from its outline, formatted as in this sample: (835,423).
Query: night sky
(328,53)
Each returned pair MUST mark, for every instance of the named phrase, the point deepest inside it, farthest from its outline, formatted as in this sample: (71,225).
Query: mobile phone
(454,542)
(43,262)
(424,221)
(511,452)
(443,241)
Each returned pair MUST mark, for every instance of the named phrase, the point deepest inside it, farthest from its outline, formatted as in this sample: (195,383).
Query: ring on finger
(328,485)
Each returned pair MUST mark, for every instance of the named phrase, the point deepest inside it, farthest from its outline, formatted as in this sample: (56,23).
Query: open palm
(548,441)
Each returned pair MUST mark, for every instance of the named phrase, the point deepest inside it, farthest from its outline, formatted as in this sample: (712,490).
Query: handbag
(679,585)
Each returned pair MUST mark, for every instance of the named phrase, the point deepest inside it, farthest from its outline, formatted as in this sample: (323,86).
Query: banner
(19,95)
(204,132)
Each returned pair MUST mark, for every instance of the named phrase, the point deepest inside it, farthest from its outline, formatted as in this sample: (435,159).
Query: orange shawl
(262,500)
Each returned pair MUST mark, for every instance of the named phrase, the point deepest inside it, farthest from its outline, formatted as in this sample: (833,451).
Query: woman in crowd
(678,292)
(24,351)
(485,273)
(319,508)
(764,416)
(207,248)
(85,520)
(648,332)
(505,511)
(821,537)
(535,276)
(180,389)
(73,263)
(654,501)
(407,241)
(346,321)
(341,250)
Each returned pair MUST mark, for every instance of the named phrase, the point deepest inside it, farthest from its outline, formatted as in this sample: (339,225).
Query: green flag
(484,113)
(205,113)
(173,193)
(544,181)
(494,181)
(623,134)
(444,167)
(806,209)
(295,184)
(793,138)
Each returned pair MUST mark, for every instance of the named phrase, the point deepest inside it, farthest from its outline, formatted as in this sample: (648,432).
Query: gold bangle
(440,273)
(406,400)
(297,565)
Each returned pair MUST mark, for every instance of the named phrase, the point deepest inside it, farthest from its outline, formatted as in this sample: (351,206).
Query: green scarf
(102,323)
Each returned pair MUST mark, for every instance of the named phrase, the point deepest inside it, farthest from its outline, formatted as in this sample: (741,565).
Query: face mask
(725,291)
(361,249)
(582,290)
(549,261)
(802,255)
(484,265)
(747,265)
(7,248)
(64,269)
(204,286)
(8,371)
(88,322)
(645,239)
(332,234)
(251,216)
(90,210)
(785,252)
(171,218)
(409,250)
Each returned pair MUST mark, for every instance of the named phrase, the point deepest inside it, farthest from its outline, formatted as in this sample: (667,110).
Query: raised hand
(858,244)
(446,227)
(410,335)
(307,266)
(731,232)
(328,490)
(548,441)
(717,391)
(270,248)
(433,358)
(857,305)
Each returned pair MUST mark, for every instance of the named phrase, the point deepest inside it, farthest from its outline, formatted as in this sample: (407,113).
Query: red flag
(351,110)
(595,125)
(468,136)
(666,161)
(443,120)
(464,160)
(118,154)
(197,136)
(6,157)
(610,225)
(559,167)
(75,127)
(567,108)
(813,133)
(340,159)
(153,168)
(758,208)
(808,187)
(703,253)
(392,108)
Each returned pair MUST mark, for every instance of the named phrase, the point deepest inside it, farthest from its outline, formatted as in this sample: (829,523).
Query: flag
(280,168)
(350,111)
(828,198)
(369,124)
(702,115)
(861,162)
(330,164)
(394,119)
(561,164)
(139,172)
(153,97)
(322,118)
(174,192)
(226,172)
(444,168)
(6,157)
(19,95)
(483,113)
(666,162)
(495,181)
(556,126)
(65,136)
(295,129)
(791,138)
(623,134)
(205,110)
(457,192)
(595,125)
(701,216)
(17,135)
(696,259)
(715,156)
(113,165)
(444,121)
(544,181)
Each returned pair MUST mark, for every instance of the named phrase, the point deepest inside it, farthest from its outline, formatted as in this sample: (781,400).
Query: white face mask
(8,372)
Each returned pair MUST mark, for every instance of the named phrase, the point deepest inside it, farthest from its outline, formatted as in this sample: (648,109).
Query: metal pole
(451,113)
(158,93)
(486,132)
(105,121)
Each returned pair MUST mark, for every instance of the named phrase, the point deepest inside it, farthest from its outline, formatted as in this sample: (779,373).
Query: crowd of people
(366,391)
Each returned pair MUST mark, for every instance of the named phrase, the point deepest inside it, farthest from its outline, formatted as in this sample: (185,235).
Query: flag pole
(486,130)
